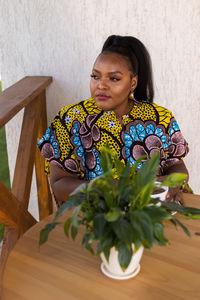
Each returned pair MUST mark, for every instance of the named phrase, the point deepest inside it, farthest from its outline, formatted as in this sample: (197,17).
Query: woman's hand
(175,195)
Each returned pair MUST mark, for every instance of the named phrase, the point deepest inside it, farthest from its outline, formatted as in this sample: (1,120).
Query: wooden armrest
(17,96)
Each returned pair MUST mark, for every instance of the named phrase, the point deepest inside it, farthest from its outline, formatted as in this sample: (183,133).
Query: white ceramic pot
(162,195)
(113,269)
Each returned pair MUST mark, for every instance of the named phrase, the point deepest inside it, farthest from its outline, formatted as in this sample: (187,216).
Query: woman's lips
(102,97)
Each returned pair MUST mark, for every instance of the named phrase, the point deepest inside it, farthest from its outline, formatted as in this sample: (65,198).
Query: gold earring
(131,95)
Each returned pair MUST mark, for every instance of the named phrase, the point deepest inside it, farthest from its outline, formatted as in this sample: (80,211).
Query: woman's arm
(174,194)
(63,183)
(179,167)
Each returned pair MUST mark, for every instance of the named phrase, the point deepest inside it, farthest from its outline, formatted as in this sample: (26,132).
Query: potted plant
(119,213)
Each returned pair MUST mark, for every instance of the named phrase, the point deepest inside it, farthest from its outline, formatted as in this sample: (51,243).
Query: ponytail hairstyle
(139,62)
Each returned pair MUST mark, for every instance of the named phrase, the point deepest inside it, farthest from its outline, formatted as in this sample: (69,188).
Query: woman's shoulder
(87,106)
(162,110)
(165,116)
(152,112)
(148,106)
(75,112)
(75,107)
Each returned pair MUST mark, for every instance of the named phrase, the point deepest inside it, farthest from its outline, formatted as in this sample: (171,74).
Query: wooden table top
(62,269)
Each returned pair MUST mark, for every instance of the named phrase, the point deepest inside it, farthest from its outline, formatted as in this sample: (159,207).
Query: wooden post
(43,190)
(26,153)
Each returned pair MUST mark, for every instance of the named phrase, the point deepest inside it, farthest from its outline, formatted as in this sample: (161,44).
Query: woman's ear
(134,82)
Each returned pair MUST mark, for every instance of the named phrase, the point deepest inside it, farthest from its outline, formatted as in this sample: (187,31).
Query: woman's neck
(126,111)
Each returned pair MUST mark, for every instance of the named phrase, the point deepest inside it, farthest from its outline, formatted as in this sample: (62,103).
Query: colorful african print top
(78,132)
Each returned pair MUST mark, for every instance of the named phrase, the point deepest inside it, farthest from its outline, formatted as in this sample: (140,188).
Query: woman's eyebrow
(116,72)
(110,73)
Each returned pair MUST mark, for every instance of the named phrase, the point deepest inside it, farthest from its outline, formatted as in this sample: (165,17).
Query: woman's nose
(102,84)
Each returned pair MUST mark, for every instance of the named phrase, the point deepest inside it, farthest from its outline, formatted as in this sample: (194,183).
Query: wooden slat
(44,193)
(8,216)
(10,238)
(11,210)
(26,153)
(14,98)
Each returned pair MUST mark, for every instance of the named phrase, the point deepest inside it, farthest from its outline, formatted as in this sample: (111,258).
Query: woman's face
(111,83)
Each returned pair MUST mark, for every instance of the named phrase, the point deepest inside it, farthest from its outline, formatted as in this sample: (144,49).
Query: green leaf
(124,255)
(114,215)
(91,184)
(157,214)
(186,188)
(145,224)
(123,230)
(184,210)
(109,197)
(175,179)
(138,161)
(136,227)
(85,238)
(173,206)
(86,241)
(74,216)
(68,205)
(148,172)
(106,159)
(1,231)
(182,226)
(104,243)
(147,231)
(125,195)
(80,190)
(118,165)
(158,230)
(99,224)
(106,252)
(106,190)
(74,232)
(88,215)
(124,179)
(88,247)
(192,217)
(137,245)
(44,233)
(66,227)
(192,210)
(145,195)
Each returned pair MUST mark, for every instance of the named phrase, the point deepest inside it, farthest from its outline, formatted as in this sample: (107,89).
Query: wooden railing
(28,93)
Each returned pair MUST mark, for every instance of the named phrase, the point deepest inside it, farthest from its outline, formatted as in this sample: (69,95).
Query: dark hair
(140,62)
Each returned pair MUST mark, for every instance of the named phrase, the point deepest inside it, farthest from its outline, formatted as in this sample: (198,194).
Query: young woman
(120,112)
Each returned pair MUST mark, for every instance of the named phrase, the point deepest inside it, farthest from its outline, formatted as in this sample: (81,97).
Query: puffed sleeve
(56,146)
(177,147)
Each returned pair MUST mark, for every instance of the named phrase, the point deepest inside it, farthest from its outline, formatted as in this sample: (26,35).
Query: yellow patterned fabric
(79,131)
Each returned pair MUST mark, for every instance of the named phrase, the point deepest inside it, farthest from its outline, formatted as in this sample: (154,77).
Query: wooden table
(62,269)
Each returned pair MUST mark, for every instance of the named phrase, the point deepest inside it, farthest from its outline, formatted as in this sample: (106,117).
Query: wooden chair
(28,93)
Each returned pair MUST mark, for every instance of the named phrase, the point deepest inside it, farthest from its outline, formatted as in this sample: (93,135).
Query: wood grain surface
(63,269)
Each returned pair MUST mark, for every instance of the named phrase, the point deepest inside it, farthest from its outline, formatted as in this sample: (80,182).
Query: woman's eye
(114,79)
(95,77)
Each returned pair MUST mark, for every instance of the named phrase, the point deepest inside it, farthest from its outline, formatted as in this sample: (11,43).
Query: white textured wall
(61,38)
